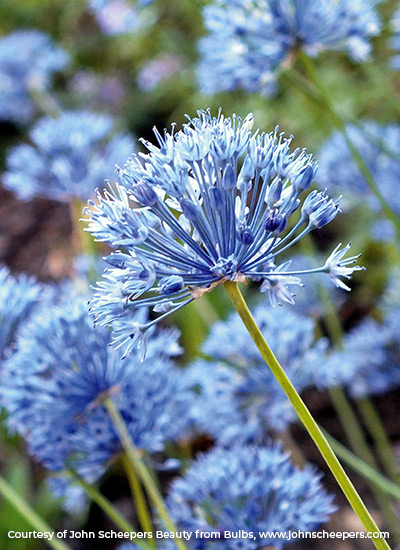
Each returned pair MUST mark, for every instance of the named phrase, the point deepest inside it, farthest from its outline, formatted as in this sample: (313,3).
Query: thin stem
(135,457)
(107,508)
(304,414)
(139,498)
(381,440)
(29,514)
(362,468)
(340,124)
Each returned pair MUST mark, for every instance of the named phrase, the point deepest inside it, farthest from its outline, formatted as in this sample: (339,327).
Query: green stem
(362,468)
(139,498)
(340,124)
(107,508)
(135,457)
(29,514)
(304,414)
(382,442)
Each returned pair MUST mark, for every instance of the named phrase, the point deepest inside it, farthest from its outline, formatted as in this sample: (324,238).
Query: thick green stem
(135,457)
(304,414)
(29,514)
(139,498)
(108,508)
(382,443)
(340,124)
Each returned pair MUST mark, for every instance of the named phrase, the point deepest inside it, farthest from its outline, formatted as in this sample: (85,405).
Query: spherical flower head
(371,354)
(118,16)
(380,147)
(28,60)
(70,156)
(250,41)
(215,201)
(235,397)
(18,297)
(54,388)
(248,489)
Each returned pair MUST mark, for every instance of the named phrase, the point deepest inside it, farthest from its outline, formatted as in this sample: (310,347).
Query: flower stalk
(305,416)
(135,458)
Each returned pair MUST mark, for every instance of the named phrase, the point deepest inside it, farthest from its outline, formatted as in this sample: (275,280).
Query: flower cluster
(371,356)
(18,296)
(28,60)
(55,385)
(251,490)
(69,157)
(249,41)
(117,16)
(235,397)
(380,146)
(215,204)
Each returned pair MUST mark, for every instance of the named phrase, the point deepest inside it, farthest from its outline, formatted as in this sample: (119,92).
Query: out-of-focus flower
(380,146)
(235,398)
(215,202)
(18,296)
(118,16)
(55,385)
(250,41)
(247,490)
(371,353)
(104,92)
(28,60)
(157,70)
(70,156)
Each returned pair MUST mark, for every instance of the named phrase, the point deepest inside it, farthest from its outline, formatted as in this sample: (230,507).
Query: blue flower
(371,356)
(18,297)
(53,389)
(215,201)
(118,16)
(247,489)
(380,146)
(250,41)
(69,157)
(28,60)
(235,398)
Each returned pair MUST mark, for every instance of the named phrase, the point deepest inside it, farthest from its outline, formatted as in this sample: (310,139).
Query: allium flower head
(28,60)
(234,397)
(54,385)
(18,296)
(371,356)
(248,489)
(69,157)
(249,41)
(118,16)
(215,202)
(380,146)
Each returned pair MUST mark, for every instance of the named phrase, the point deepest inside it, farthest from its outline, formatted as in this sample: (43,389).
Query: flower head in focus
(247,489)
(216,204)
(55,384)
(70,156)
(250,41)
(28,60)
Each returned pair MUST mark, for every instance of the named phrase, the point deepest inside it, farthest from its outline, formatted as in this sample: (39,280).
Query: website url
(322,535)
